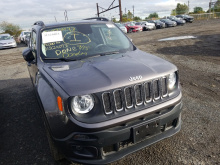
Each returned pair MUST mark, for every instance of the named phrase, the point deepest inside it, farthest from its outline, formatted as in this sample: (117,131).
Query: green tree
(153,15)
(136,19)
(173,12)
(181,9)
(217,6)
(114,20)
(129,15)
(198,10)
(10,28)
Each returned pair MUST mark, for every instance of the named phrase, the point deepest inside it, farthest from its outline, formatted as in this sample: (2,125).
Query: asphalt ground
(23,137)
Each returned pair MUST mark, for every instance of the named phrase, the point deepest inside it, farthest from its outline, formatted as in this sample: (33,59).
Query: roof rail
(40,23)
(97,18)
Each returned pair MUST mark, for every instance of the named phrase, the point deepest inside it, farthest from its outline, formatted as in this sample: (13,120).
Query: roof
(88,20)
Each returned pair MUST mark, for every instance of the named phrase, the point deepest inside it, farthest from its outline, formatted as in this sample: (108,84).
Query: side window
(33,43)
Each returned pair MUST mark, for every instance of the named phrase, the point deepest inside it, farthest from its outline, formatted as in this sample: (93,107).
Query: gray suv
(101,97)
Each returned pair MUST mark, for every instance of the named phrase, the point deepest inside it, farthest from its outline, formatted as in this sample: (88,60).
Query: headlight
(172,80)
(82,104)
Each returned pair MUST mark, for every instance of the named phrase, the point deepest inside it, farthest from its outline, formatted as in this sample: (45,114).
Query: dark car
(179,21)
(169,23)
(27,39)
(158,24)
(101,97)
(187,18)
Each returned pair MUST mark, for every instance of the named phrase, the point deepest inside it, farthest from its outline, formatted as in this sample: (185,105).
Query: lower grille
(120,145)
(135,95)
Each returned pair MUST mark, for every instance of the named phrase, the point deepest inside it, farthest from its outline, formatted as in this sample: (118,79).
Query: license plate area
(145,131)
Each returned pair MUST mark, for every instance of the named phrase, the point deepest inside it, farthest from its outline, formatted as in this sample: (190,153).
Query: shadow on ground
(207,45)
(22,134)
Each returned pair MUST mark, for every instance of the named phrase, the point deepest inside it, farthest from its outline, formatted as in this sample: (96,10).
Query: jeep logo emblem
(135,78)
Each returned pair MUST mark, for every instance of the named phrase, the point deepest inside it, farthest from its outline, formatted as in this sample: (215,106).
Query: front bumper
(108,145)
(188,20)
(3,46)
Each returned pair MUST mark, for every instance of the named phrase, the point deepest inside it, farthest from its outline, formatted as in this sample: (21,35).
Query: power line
(109,8)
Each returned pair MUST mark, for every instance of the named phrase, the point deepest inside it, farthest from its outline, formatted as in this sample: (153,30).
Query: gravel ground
(23,137)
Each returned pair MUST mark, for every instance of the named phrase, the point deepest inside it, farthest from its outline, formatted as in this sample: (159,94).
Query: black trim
(169,123)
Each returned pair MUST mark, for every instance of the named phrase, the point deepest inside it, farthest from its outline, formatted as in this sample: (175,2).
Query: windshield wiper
(62,59)
(108,53)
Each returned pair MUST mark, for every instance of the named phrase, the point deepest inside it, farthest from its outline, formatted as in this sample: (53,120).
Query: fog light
(80,137)
(85,151)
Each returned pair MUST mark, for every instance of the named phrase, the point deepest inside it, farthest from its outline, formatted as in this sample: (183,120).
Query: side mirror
(28,55)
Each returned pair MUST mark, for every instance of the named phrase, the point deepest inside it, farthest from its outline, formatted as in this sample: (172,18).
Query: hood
(150,24)
(136,26)
(189,17)
(107,72)
(7,41)
(171,22)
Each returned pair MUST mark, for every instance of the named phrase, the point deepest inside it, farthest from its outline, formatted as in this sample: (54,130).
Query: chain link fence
(206,16)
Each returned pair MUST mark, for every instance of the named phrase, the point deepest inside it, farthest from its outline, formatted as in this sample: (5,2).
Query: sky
(25,12)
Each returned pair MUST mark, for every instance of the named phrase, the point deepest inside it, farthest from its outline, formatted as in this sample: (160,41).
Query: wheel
(53,149)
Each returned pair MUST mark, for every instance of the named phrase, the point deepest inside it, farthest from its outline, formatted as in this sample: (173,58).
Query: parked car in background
(131,27)
(168,23)
(158,24)
(101,97)
(7,41)
(177,20)
(187,18)
(122,27)
(27,39)
(23,34)
(146,25)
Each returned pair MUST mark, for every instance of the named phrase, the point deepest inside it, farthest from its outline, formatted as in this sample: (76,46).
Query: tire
(53,149)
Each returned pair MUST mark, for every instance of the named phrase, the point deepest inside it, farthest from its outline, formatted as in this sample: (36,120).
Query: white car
(122,27)
(146,25)
(7,41)
(23,34)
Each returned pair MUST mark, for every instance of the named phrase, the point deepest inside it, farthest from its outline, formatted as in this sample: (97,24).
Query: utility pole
(110,8)
(210,3)
(120,12)
(97,9)
(188,7)
(133,11)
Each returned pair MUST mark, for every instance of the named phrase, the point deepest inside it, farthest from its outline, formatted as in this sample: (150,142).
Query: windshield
(83,40)
(27,33)
(5,37)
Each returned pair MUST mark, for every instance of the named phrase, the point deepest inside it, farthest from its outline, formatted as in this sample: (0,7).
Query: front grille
(135,95)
